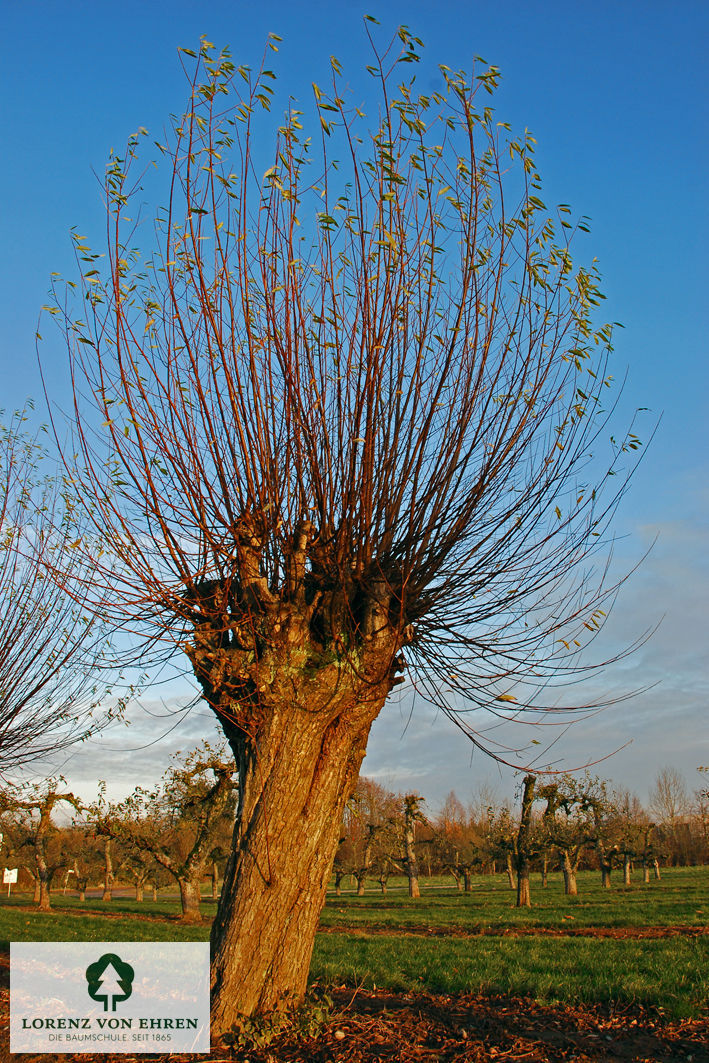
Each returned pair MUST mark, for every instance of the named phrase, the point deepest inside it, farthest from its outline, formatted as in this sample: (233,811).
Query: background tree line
(568,824)
(178,834)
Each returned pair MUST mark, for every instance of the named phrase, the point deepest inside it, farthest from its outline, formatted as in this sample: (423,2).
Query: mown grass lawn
(667,973)
(670,973)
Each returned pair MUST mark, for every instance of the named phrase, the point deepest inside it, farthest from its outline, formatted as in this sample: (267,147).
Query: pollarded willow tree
(337,424)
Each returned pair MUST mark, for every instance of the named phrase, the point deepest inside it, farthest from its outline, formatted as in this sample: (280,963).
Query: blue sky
(616,96)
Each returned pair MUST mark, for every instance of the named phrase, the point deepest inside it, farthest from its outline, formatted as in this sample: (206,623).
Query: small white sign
(125,997)
(9,875)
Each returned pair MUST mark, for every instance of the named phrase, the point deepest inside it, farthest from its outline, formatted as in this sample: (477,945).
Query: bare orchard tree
(566,825)
(179,822)
(49,644)
(411,814)
(34,803)
(342,420)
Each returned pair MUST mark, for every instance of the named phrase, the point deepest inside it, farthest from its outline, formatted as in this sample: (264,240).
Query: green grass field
(397,943)
(679,898)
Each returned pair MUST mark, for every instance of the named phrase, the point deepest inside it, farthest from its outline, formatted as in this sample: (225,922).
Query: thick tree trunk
(626,869)
(524,897)
(606,875)
(190,898)
(646,871)
(570,887)
(139,891)
(467,879)
(361,876)
(510,872)
(339,875)
(656,868)
(44,904)
(292,796)
(37,891)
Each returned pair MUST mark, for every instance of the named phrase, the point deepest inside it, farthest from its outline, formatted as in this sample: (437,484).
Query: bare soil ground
(384,1027)
(625,932)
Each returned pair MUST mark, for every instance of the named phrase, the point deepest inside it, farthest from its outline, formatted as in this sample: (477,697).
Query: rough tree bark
(190,898)
(44,876)
(297,715)
(569,871)
(294,791)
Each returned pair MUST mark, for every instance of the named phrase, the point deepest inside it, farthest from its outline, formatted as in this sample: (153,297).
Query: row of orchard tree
(179,833)
(565,823)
